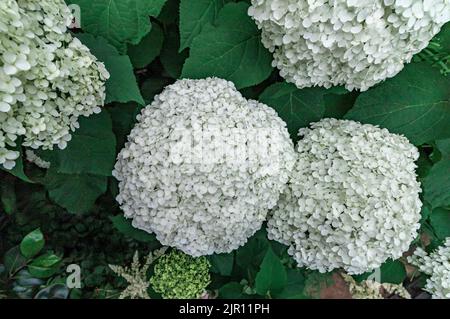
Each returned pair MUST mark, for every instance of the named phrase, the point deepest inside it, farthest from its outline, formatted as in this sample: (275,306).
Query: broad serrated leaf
(295,286)
(123,117)
(143,53)
(170,12)
(250,256)
(222,263)
(153,86)
(170,58)
(436,184)
(231,49)
(272,277)
(76,193)
(232,290)
(121,86)
(424,164)
(32,243)
(124,226)
(194,15)
(393,271)
(444,147)
(443,38)
(297,107)
(92,149)
(415,103)
(119,21)
(440,221)
(425,213)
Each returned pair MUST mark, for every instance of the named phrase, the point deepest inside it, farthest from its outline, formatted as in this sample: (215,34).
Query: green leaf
(32,243)
(272,277)
(436,185)
(13,260)
(153,86)
(170,12)
(123,118)
(338,101)
(8,196)
(424,164)
(44,266)
(194,15)
(443,38)
(415,103)
(55,291)
(25,285)
(170,58)
(231,50)
(393,271)
(148,49)
(295,286)
(250,256)
(76,193)
(124,226)
(222,263)
(232,290)
(361,277)
(121,86)
(18,169)
(425,213)
(24,279)
(119,21)
(92,149)
(298,108)
(444,147)
(440,221)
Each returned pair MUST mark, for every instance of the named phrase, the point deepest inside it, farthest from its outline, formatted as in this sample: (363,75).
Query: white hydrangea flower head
(203,166)
(356,43)
(437,266)
(47,78)
(353,199)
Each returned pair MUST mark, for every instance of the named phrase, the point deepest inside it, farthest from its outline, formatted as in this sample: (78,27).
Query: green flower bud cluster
(180,276)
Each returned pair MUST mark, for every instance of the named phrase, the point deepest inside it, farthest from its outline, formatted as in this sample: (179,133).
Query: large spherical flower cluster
(180,276)
(47,78)
(437,266)
(203,166)
(353,200)
(356,43)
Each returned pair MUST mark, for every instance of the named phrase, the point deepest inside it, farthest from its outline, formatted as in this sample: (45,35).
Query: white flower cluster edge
(356,43)
(203,166)
(353,199)
(32,157)
(437,266)
(47,77)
